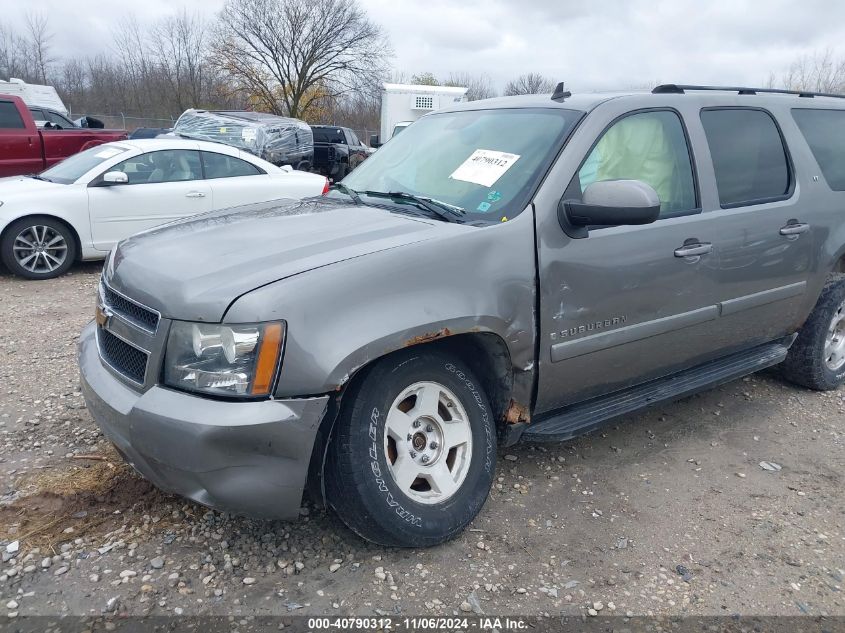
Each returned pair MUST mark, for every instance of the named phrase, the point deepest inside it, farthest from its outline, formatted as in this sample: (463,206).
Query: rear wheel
(38,248)
(414,451)
(817,358)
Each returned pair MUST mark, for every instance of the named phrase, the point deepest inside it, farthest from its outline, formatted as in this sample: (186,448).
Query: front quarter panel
(343,316)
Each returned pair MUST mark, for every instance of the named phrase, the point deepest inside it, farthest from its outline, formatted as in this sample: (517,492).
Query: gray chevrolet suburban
(523,268)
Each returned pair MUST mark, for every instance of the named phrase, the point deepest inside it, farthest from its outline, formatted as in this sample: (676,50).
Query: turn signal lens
(268,359)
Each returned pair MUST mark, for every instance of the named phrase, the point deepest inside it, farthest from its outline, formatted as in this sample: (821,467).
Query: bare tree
(39,45)
(179,43)
(819,72)
(425,79)
(530,84)
(289,54)
(478,86)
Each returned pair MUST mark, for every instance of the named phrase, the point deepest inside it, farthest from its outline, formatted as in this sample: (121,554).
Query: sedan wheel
(38,247)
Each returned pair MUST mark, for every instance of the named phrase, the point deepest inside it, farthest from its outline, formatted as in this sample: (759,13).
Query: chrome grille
(123,357)
(133,312)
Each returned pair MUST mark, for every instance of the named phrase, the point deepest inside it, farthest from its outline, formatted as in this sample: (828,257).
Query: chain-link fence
(129,123)
(122,122)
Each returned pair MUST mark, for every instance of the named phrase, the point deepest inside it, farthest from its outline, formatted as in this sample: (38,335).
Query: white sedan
(80,208)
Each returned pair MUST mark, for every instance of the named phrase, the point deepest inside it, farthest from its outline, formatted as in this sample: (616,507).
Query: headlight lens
(224,360)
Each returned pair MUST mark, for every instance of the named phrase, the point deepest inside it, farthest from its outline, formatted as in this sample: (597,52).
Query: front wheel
(38,248)
(413,454)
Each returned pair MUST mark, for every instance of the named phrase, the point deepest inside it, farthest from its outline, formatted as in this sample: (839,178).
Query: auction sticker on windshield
(484,167)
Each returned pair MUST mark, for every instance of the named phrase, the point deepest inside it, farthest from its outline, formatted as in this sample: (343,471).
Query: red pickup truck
(25,149)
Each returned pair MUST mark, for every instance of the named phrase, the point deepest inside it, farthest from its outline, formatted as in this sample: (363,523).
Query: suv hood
(194,269)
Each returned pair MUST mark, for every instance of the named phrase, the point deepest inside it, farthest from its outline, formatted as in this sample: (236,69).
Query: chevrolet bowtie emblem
(101,315)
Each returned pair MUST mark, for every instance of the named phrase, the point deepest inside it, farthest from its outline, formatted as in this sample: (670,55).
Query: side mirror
(374,141)
(609,203)
(115,178)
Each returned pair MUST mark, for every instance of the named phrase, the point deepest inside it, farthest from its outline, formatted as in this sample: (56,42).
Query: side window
(172,165)
(57,119)
(749,157)
(824,131)
(646,146)
(352,139)
(10,118)
(38,114)
(222,166)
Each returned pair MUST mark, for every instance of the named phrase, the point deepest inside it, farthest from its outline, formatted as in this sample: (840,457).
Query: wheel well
(485,353)
(64,223)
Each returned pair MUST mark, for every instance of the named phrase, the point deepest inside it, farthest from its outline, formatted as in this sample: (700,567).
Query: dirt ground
(668,512)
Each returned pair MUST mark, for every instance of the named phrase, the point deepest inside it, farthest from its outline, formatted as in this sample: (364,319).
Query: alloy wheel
(40,249)
(834,345)
(428,442)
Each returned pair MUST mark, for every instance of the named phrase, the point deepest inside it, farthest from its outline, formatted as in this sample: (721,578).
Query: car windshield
(74,167)
(486,162)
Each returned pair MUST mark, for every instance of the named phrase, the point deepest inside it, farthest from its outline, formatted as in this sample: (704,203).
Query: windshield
(74,167)
(486,162)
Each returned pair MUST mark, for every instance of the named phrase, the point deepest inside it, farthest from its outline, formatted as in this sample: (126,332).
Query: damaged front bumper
(250,458)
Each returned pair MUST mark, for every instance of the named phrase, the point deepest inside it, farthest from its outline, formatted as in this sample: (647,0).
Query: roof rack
(682,88)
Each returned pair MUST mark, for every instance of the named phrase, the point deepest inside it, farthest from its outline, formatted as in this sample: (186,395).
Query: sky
(605,44)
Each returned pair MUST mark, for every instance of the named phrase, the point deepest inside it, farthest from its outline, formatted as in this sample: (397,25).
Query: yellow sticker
(504,218)
(222,130)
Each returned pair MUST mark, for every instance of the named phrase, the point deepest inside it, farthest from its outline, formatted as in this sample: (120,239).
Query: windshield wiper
(39,177)
(443,210)
(349,192)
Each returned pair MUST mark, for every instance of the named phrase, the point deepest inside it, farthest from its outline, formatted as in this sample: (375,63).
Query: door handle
(794,228)
(694,249)
(195,194)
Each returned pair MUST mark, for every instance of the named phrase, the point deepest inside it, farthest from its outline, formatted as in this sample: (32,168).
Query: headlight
(224,360)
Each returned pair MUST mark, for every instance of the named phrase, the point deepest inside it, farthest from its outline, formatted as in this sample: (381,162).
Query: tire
(38,247)
(370,453)
(817,358)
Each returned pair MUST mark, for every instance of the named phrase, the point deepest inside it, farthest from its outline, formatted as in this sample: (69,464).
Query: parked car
(522,268)
(80,208)
(26,149)
(337,151)
(277,139)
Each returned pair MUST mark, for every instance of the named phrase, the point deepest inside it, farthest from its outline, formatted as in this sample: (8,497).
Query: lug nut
(410,437)
(433,446)
(416,424)
(413,455)
(429,429)
(424,459)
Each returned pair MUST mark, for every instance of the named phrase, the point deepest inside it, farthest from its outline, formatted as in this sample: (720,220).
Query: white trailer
(34,94)
(402,104)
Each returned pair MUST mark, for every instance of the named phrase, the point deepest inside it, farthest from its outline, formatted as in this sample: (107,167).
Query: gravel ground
(668,512)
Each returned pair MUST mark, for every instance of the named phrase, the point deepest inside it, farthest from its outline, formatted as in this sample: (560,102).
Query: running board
(577,419)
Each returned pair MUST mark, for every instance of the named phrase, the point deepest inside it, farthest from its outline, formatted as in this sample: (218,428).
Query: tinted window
(222,166)
(37,114)
(57,119)
(9,116)
(328,135)
(172,165)
(748,155)
(353,140)
(650,147)
(825,134)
